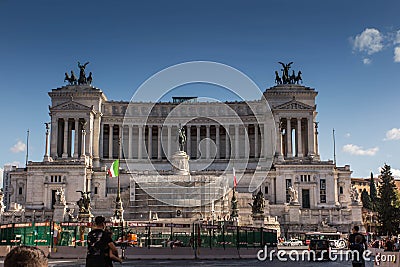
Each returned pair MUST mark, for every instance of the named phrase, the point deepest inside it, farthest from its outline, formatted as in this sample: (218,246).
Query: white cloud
(396,57)
(359,151)
(369,41)
(347,135)
(395,172)
(367,61)
(393,134)
(397,38)
(18,147)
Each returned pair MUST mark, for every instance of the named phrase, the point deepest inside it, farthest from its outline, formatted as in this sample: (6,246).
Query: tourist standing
(99,244)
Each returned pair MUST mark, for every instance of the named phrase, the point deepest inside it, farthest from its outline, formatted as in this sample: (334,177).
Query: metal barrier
(140,234)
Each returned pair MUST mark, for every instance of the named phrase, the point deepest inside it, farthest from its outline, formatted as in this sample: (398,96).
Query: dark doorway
(53,198)
(305,196)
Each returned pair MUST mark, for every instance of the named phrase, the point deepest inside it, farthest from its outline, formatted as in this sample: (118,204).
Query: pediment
(72,105)
(294,105)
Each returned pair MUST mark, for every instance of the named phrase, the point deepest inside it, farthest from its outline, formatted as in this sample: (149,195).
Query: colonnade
(296,137)
(160,141)
(68,137)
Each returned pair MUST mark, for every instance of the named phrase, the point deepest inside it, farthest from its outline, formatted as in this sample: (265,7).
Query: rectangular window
(288,184)
(95,190)
(322,191)
(266,190)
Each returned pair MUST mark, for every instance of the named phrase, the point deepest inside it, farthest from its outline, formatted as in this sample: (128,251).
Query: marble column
(310,125)
(316,139)
(246,141)
(299,144)
(266,134)
(83,143)
(65,149)
(256,140)
(120,140)
(169,129)
(130,143)
(236,138)
(54,137)
(110,141)
(76,137)
(289,138)
(227,142)
(208,141)
(140,141)
(188,141)
(159,156)
(198,140)
(217,141)
(150,141)
(278,138)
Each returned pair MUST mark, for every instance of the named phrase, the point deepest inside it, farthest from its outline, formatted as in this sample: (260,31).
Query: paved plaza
(202,263)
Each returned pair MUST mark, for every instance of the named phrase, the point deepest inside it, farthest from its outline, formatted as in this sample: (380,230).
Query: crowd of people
(388,244)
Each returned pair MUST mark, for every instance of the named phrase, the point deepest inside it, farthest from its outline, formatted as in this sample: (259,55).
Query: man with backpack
(357,242)
(99,244)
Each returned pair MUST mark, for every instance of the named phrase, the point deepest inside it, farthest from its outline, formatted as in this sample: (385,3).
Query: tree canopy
(386,202)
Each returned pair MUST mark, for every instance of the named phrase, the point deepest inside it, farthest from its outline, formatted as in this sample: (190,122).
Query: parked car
(321,248)
(292,242)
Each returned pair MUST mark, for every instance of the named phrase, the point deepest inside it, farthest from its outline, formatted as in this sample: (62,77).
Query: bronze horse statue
(298,78)
(278,79)
(71,80)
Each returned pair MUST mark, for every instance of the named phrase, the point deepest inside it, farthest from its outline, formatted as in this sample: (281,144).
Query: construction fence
(139,234)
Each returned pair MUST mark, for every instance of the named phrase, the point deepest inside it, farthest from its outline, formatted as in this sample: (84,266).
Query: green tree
(372,193)
(386,203)
(365,199)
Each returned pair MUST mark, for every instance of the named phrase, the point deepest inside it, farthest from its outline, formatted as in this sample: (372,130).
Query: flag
(234,178)
(113,171)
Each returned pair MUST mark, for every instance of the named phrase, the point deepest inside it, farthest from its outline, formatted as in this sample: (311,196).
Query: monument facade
(182,166)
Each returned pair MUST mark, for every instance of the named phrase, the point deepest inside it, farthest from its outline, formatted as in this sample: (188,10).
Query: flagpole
(27,148)
(118,205)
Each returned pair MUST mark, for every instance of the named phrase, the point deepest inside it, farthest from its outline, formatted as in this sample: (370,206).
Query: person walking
(355,232)
(99,244)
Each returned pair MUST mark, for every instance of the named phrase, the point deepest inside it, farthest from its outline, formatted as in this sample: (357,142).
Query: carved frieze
(294,105)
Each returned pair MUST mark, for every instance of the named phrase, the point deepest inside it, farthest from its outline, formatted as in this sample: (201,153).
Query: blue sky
(345,49)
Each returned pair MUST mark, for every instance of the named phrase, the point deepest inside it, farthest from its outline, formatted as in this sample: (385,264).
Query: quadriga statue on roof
(286,78)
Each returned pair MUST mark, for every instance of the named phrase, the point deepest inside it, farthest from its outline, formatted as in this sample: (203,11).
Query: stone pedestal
(59,213)
(356,214)
(180,163)
(85,217)
(258,220)
(294,212)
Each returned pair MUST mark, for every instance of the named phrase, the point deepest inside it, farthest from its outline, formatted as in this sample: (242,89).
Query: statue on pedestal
(60,196)
(181,138)
(258,205)
(234,206)
(354,195)
(84,202)
(294,197)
